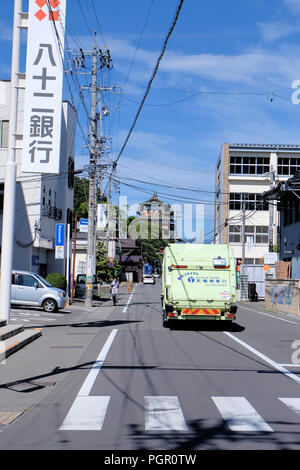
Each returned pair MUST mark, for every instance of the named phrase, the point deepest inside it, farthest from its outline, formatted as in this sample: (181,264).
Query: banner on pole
(44,81)
(60,241)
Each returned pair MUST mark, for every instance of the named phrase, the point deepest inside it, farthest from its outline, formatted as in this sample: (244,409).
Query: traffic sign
(60,241)
(83,225)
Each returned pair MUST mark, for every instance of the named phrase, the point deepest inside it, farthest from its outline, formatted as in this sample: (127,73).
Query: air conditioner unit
(44,210)
(53,212)
(58,214)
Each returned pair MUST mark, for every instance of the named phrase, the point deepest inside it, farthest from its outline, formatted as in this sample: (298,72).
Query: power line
(152,78)
(98,23)
(149,84)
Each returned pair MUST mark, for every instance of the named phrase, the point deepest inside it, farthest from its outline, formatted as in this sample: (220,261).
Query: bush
(57,280)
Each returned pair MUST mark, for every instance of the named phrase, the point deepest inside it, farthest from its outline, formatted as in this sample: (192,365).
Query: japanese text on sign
(44,79)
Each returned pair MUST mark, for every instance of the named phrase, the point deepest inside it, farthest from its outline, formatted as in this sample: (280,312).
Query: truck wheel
(165,321)
(49,305)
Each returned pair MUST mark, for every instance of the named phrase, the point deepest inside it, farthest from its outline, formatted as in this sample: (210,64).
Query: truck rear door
(206,286)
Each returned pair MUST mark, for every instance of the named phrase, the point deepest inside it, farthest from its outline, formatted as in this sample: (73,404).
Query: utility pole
(74,258)
(243,227)
(101,59)
(271,212)
(244,276)
(91,247)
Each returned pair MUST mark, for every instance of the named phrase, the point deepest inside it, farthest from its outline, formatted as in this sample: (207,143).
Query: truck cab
(198,282)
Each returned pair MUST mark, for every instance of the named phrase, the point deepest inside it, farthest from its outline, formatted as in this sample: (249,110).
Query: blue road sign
(60,241)
(60,235)
(83,225)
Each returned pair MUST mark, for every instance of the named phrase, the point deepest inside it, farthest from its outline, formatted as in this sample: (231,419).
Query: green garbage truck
(198,282)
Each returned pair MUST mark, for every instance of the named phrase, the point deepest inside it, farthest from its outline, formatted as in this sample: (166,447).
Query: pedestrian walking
(114,287)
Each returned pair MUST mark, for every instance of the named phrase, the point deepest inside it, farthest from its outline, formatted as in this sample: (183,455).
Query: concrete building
(42,200)
(160,216)
(243,173)
(288,196)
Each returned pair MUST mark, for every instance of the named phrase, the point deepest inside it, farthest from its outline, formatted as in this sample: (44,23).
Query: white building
(243,173)
(42,200)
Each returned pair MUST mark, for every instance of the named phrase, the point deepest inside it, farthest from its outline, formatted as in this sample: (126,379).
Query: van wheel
(49,305)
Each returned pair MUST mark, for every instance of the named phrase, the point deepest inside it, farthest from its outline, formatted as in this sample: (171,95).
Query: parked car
(29,288)
(80,286)
(148,279)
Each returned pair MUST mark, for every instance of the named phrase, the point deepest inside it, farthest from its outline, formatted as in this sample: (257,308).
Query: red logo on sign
(53,15)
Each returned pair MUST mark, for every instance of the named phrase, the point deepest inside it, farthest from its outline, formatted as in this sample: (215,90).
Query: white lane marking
(20,320)
(268,315)
(240,415)
(164,413)
(274,364)
(290,365)
(89,381)
(292,403)
(128,302)
(88,412)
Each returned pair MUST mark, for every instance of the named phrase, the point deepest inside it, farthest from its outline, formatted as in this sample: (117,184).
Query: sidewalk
(260,307)
(31,373)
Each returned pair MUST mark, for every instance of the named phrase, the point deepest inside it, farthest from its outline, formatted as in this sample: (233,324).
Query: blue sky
(226,77)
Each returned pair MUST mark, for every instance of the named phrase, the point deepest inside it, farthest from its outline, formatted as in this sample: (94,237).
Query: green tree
(104,271)
(81,197)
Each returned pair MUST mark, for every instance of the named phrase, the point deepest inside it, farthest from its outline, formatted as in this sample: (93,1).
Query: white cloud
(276,30)
(256,66)
(293,5)
(5,32)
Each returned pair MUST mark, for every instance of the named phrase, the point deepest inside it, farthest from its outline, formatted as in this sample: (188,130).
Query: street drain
(29,385)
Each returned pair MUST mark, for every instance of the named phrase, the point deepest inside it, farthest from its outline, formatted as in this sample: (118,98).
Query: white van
(31,289)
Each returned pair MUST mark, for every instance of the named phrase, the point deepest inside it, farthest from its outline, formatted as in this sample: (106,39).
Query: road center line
(89,381)
(128,302)
(268,315)
(274,364)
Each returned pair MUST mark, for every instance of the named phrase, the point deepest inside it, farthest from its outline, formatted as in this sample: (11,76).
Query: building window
(235,233)
(253,201)
(71,173)
(291,210)
(4,134)
(70,220)
(259,234)
(288,165)
(249,165)
(1,196)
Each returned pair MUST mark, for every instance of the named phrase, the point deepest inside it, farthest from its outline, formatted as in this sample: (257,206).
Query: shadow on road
(205,325)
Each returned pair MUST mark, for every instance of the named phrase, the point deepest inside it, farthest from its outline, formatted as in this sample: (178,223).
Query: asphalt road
(195,386)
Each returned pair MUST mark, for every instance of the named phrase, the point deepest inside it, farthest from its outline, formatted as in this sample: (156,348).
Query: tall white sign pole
(8,221)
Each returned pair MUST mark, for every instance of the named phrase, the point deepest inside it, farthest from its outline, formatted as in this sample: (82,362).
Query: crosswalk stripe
(164,413)
(292,403)
(86,414)
(240,415)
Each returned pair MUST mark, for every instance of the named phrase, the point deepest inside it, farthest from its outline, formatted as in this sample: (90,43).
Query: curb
(17,340)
